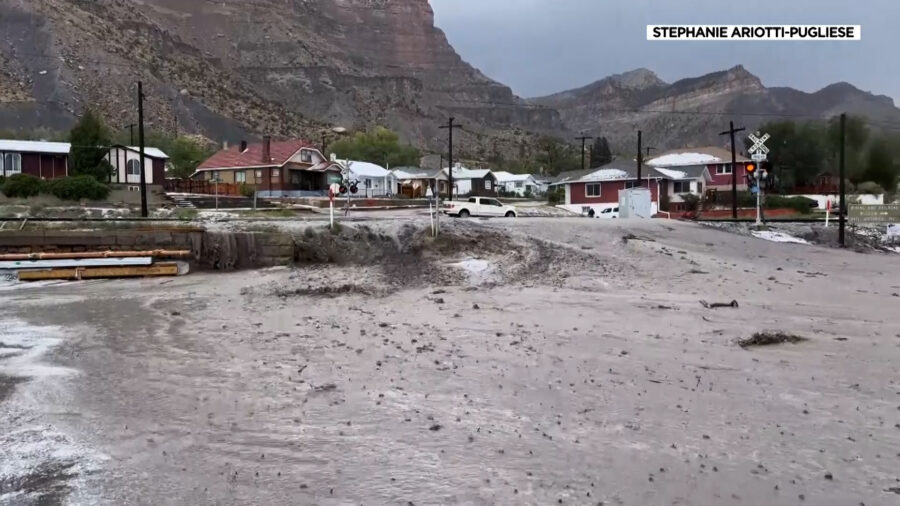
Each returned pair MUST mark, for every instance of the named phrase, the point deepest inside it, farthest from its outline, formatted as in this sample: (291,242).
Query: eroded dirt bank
(515,362)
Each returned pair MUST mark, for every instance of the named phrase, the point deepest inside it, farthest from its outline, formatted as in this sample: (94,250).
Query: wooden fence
(201,187)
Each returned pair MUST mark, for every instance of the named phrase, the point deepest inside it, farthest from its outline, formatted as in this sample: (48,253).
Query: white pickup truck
(479,206)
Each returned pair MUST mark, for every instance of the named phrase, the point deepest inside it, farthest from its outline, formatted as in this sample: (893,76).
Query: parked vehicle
(479,206)
(610,212)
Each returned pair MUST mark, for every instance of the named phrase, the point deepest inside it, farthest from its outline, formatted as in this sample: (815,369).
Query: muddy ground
(539,361)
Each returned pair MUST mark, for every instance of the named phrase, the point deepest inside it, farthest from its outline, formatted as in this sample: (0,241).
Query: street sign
(877,214)
(758,157)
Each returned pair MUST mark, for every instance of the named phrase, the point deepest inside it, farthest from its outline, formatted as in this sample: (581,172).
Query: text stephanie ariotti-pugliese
(754,32)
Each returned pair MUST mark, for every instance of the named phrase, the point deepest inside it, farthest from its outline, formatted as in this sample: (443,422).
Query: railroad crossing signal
(759,143)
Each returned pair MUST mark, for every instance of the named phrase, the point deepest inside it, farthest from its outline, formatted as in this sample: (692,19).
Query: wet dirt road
(610,384)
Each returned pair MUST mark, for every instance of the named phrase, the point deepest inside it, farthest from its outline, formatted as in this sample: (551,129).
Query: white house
(414,182)
(126,164)
(374,180)
(685,180)
(519,184)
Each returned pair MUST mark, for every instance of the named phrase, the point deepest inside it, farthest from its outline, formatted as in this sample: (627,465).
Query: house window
(487,184)
(520,184)
(699,187)
(258,175)
(592,190)
(631,184)
(682,187)
(276,172)
(723,169)
(133,167)
(11,163)
(306,156)
(240,177)
(214,175)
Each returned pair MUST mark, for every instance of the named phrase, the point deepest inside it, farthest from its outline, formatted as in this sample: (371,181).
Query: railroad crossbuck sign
(759,151)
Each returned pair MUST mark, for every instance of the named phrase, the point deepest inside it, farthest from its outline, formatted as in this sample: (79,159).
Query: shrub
(556,195)
(800,204)
(870,188)
(691,201)
(247,190)
(186,214)
(78,187)
(22,186)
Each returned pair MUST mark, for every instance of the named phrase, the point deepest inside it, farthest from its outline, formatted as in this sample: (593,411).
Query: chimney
(267,150)
(243,146)
(333,157)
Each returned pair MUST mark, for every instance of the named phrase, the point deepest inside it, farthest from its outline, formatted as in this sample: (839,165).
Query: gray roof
(681,173)
(418,173)
(620,170)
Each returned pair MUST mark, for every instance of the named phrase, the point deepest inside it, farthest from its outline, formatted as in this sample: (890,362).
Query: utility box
(635,203)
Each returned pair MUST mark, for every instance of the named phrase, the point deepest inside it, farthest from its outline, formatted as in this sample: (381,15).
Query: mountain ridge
(231,69)
(691,111)
(240,69)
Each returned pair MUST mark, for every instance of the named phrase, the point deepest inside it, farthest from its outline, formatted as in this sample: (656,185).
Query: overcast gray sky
(543,46)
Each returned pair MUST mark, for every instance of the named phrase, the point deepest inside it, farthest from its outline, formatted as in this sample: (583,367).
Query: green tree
(380,146)
(600,152)
(556,156)
(880,166)
(90,143)
(855,140)
(185,154)
(798,151)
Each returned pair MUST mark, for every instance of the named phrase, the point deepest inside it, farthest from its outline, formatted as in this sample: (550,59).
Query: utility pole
(843,209)
(450,126)
(640,157)
(131,127)
(583,139)
(175,116)
(731,131)
(144,212)
(324,144)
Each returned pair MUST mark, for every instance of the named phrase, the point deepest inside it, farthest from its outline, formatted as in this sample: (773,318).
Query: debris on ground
(714,305)
(769,339)
(328,387)
(632,237)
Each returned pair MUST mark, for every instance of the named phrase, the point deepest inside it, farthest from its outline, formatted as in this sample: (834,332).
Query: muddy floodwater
(540,361)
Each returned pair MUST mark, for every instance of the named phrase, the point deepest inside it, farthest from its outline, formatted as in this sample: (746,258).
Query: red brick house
(293,166)
(46,160)
(598,188)
(716,160)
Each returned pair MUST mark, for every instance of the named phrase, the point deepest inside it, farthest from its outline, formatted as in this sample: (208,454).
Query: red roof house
(275,166)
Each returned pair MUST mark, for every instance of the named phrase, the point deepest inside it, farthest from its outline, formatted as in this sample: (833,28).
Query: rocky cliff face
(226,68)
(233,69)
(669,114)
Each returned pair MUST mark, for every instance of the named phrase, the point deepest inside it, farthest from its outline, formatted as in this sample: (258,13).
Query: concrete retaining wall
(212,250)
